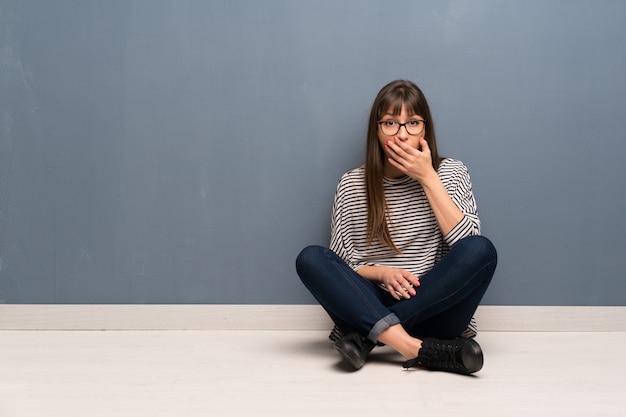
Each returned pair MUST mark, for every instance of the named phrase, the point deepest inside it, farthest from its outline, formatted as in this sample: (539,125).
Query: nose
(403,133)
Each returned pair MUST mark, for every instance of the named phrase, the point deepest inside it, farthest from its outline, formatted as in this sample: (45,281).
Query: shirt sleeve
(459,186)
(341,233)
(337,227)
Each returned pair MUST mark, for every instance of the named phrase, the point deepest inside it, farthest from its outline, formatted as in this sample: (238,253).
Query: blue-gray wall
(184,151)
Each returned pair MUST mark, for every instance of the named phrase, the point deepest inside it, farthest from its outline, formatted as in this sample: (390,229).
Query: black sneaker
(335,334)
(354,348)
(462,356)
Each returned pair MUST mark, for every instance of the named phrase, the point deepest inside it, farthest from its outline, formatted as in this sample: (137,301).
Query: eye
(389,123)
(414,123)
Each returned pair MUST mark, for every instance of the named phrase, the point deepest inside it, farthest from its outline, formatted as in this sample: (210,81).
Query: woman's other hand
(395,280)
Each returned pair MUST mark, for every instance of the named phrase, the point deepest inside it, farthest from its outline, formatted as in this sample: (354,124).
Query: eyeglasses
(391,127)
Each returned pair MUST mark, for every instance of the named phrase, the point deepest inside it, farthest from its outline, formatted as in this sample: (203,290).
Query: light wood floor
(296,373)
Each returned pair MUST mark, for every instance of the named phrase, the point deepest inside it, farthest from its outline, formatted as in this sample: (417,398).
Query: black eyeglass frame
(380,122)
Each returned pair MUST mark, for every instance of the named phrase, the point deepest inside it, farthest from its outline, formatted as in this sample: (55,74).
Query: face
(402,134)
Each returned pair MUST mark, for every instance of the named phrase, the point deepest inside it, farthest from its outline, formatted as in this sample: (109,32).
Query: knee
(308,257)
(481,248)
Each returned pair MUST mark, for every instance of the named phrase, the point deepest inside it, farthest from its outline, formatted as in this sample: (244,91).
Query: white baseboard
(282,317)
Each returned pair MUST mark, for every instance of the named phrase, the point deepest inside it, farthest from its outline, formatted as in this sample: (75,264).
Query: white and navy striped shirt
(412,223)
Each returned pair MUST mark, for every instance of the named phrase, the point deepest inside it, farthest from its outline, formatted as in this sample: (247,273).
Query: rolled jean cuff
(382,325)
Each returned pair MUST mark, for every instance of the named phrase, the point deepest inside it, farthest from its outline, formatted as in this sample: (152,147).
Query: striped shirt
(412,223)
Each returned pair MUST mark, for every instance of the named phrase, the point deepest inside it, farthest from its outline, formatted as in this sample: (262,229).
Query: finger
(415,281)
(403,287)
(389,285)
(408,286)
(401,291)
(397,153)
(394,157)
(394,293)
(424,144)
(396,164)
(401,147)
(390,149)
(393,145)
(406,292)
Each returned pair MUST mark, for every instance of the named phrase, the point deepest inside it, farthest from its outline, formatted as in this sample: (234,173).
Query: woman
(406,266)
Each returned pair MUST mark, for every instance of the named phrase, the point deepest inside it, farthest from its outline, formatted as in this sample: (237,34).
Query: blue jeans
(445,302)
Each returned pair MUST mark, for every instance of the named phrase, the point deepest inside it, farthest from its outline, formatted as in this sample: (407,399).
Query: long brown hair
(392,96)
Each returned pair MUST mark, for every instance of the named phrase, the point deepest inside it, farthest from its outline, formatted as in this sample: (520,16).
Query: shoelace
(437,356)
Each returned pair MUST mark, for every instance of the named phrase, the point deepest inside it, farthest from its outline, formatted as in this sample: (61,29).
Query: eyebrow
(410,117)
